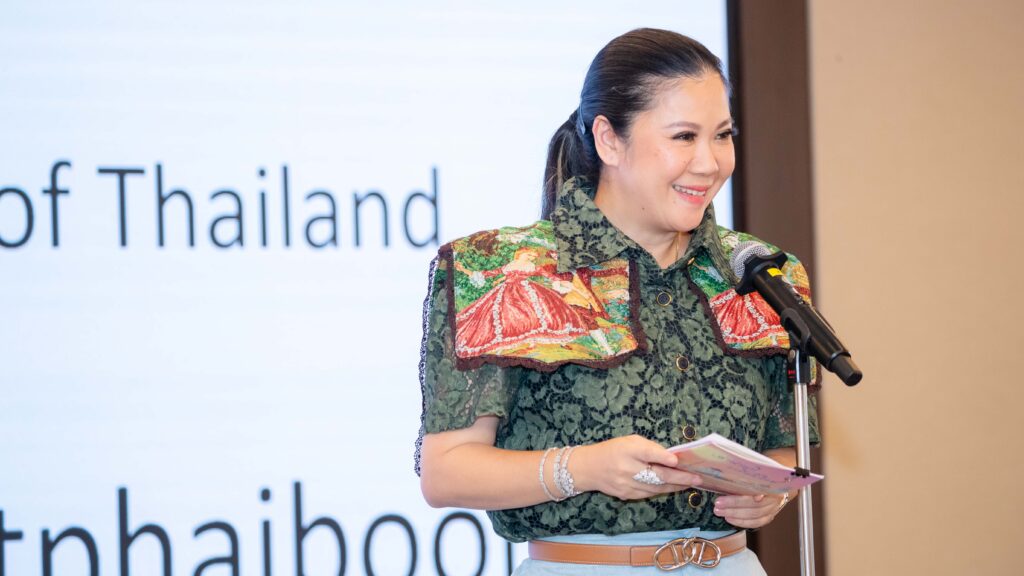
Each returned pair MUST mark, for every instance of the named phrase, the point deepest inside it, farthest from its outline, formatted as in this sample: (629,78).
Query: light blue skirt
(744,563)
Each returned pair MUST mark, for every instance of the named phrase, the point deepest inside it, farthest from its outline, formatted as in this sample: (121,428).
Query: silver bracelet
(556,472)
(563,478)
(540,475)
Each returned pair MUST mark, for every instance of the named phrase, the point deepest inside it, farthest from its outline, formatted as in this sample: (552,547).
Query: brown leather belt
(668,556)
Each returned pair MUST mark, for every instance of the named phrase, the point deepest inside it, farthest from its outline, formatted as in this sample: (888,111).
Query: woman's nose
(704,161)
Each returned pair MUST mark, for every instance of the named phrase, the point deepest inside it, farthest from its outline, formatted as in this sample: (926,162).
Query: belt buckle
(688,551)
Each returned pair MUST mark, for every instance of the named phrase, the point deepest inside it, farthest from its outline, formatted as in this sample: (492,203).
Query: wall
(917,155)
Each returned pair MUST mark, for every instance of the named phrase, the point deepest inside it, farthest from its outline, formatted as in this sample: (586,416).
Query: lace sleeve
(781,427)
(452,399)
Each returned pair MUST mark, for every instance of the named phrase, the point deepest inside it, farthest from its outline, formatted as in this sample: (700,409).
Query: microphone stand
(797,318)
(800,378)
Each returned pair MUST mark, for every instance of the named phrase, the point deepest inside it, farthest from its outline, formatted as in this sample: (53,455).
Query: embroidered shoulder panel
(510,305)
(746,324)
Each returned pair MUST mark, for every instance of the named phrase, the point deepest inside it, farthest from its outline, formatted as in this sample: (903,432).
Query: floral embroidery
(747,323)
(513,307)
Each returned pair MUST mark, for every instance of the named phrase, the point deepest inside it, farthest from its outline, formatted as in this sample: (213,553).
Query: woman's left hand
(749,511)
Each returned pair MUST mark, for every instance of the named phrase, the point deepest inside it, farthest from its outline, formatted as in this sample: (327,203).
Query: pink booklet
(727,467)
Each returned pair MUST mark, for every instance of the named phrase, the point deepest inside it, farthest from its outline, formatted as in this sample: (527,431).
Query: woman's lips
(692,192)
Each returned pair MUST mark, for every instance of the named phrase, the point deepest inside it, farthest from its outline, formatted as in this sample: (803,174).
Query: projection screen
(216,221)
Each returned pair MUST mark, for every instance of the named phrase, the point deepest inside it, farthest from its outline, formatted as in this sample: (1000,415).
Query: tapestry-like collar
(585,237)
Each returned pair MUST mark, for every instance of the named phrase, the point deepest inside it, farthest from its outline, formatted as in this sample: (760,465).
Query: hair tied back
(581,126)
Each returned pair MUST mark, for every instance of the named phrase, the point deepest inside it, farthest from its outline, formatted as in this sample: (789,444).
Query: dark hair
(621,82)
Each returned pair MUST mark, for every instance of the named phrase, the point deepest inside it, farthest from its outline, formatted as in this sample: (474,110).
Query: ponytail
(570,153)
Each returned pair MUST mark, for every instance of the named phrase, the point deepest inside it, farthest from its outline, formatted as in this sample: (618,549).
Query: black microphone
(758,269)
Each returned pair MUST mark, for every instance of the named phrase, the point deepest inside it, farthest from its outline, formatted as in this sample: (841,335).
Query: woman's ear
(608,144)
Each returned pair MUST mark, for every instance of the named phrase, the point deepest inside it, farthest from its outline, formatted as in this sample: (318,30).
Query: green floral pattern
(684,377)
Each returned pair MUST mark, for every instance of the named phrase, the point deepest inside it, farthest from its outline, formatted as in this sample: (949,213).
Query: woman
(563,439)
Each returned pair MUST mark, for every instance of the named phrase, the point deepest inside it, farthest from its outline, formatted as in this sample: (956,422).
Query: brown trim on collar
(729,350)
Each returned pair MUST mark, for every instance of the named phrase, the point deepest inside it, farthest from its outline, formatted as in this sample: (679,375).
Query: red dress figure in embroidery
(522,308)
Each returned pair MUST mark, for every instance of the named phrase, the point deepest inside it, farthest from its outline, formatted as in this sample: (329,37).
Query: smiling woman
(594,344)
(658,181)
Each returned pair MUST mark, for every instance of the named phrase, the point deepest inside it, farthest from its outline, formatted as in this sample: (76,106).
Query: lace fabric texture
(418,452)
(685,382)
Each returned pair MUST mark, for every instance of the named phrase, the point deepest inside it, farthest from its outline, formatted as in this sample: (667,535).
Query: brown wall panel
(769,67)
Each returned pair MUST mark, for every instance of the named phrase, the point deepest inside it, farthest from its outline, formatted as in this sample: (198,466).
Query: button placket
(692,398)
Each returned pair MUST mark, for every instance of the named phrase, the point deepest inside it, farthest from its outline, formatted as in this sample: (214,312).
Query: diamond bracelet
(560,474)
(540,476)
(563,478)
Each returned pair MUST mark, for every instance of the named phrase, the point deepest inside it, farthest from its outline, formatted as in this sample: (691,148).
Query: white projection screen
(217,219)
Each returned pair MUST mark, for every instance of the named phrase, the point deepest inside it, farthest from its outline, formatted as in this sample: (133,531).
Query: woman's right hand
(609,467)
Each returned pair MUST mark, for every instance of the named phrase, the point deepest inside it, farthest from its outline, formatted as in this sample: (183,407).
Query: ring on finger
(782,504)
(648,476)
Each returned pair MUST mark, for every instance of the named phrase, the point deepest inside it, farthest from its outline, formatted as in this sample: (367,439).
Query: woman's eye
(686,136)
(727,134)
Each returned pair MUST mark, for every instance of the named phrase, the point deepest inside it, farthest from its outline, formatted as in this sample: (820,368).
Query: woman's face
(677,156)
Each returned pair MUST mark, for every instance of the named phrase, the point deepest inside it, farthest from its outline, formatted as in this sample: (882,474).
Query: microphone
(758,269)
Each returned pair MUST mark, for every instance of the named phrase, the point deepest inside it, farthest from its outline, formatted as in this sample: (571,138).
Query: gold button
(694,499)
(690,261)
(682,363)
(689,432)
(663,298)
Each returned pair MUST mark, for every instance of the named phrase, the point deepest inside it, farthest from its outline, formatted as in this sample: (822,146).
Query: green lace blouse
(680,384)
